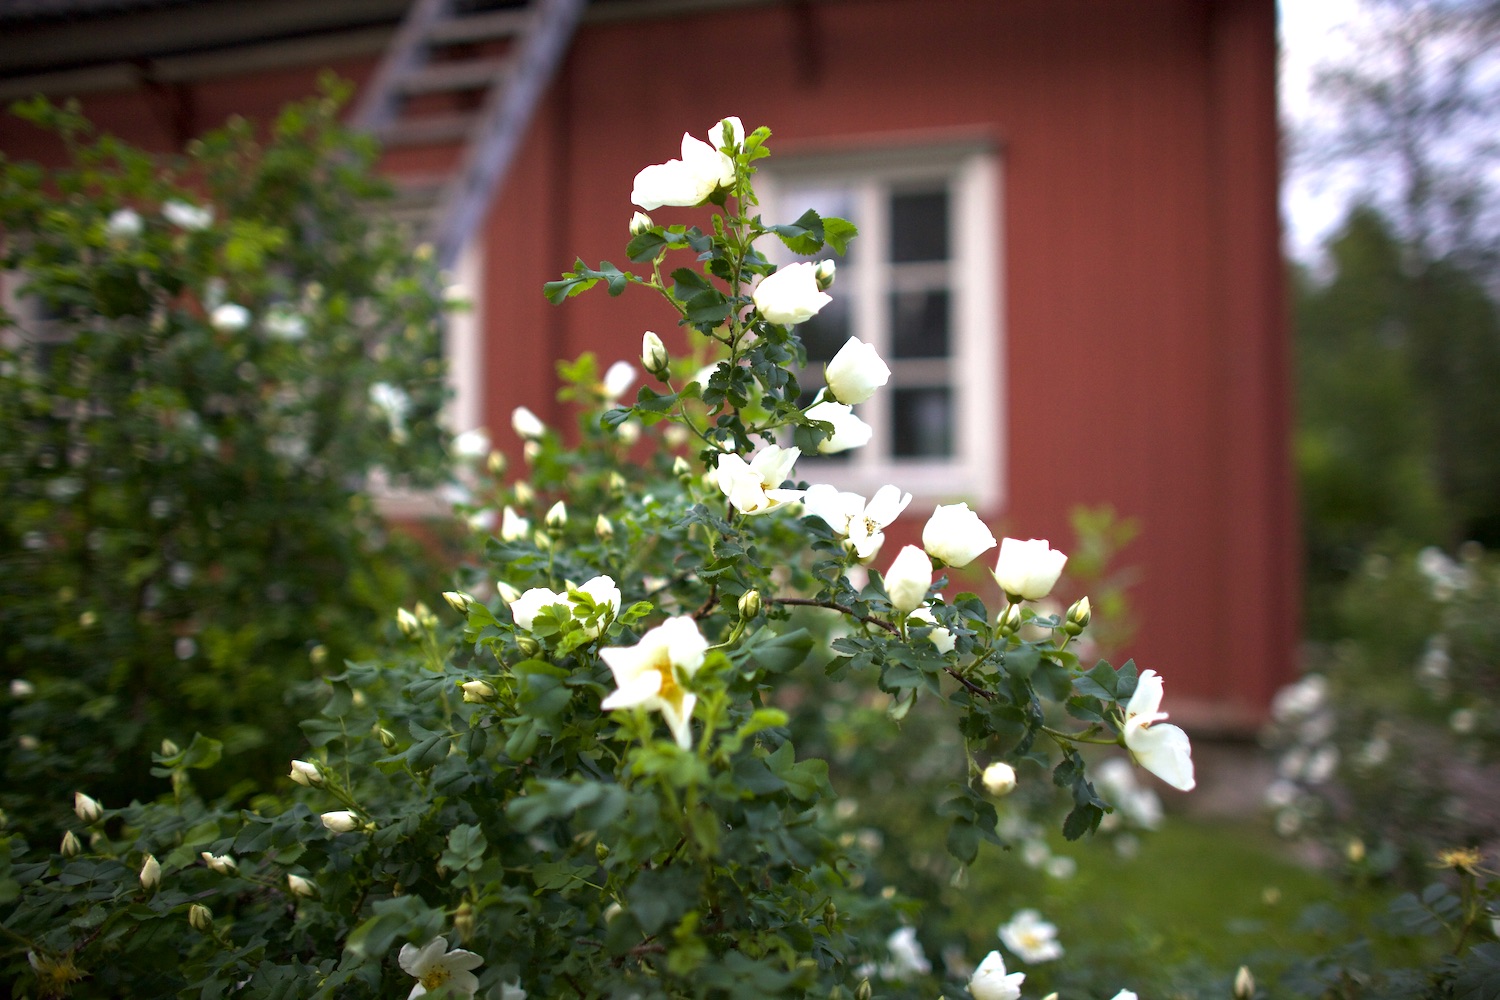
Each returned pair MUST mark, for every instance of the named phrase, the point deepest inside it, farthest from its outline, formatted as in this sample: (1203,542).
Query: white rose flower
(513,525)
(472,444)
(848,430)
(990,981)
(907,958)
(282,322)
(908,579)
(791,295)
(736,133)
(1163,750)
(956,535)
(1030,937)
(862,524)
(524,609)
(856,371)
(941,637)
(1027,571)
(688,181)
(123,222)
(617,379)
(229,318)
(999,779)
(438,969)
(650,674)
(187,216)
(605,595)
(526,424)
(754,487)
(224,864)
(1125,995)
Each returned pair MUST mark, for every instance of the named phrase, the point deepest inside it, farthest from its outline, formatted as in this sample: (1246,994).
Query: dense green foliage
(188,390)
(1398,358)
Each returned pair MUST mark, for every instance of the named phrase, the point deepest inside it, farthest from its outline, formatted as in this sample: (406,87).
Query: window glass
(919,226)
(923,422)
(919,324)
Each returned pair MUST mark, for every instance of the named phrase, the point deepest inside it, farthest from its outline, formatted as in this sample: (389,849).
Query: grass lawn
(1177,920)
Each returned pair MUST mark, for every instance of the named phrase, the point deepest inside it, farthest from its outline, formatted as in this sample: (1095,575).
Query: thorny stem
(809,602)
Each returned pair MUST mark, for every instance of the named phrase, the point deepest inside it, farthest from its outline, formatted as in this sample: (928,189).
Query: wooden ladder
(458,88)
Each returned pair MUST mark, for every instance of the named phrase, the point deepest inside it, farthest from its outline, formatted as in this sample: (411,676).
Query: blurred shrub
(1390,752)
(206,359)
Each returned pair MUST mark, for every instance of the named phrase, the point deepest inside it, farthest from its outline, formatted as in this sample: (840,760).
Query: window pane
(919,324)
(923,421)
(919,226)
(826,332)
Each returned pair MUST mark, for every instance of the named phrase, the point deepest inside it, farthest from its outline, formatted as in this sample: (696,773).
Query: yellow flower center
(435,977)
(670,691)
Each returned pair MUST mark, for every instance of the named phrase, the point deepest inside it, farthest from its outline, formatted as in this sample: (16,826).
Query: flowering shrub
(590,784)
(209,358)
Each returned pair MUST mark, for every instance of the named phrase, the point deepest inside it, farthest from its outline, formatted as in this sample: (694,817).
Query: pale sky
(1312,32)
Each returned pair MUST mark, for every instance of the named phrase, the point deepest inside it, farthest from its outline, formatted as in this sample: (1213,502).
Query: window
(920,284)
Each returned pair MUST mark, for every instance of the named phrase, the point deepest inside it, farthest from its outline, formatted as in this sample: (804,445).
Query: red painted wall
(1141,280)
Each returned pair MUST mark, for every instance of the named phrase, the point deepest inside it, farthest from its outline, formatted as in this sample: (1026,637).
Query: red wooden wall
(1141,280)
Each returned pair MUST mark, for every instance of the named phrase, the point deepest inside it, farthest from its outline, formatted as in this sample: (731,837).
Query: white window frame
(971,170)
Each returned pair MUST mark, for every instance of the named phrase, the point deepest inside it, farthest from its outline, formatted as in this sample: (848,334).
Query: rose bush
(596,789)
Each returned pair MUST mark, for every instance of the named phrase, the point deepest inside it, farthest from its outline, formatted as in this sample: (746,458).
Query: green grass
(1177,920)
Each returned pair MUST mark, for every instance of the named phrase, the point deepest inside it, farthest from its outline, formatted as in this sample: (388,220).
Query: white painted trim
(973,173)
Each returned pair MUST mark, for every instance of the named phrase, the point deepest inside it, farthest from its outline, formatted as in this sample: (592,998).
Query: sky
(1312,32)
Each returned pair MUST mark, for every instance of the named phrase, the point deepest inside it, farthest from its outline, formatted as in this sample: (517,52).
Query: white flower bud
(200,918)
(341,821)
(170,749)
(150,873)
(477,692)
(531,451)
(908,579)
(507,593)
(1078,616)
(385,736)
(616,484)
(1244,984)
(407,623)
(855,372)
(70,846)
(1010,623)
(305,772)
(680,468)
(824,273)
(999,779)
(299,886)
(525,495)
(458,602)
(224,864)
(640,222)
(654,357)
(21,688)
(497,463)
(603,529)
(526,424)
(557,516)
(629,432)
(89,810)
(750,604)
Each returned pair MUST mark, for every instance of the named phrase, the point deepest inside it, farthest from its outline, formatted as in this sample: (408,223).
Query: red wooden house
(1070,248)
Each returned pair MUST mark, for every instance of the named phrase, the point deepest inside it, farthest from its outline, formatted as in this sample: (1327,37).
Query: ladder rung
(471,74)
(486,27)
(429,130)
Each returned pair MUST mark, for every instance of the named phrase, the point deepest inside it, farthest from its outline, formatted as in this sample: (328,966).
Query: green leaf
(803,237)
(780,654)
(406,917)
(466,847)
(838,232)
